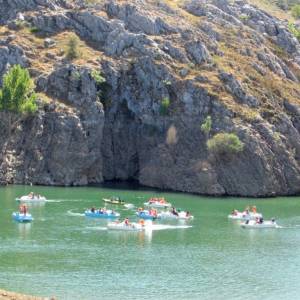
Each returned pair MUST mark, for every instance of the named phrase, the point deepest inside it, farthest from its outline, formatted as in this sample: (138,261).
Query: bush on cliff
(293,29)
(296,11)
(73,48)
(17,93)
(164,106)
(225,143)
(206,126)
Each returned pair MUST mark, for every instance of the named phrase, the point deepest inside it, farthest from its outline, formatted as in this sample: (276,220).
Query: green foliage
(206,125)
(244,17)
(225,143)
(276,136)
(72,48)
(96,75)
(34,29)
(76,75)
(30,106)
(293,29)
(17,93)
(286,4)
(296,11)
(164,106)
(167,82)
(21,24)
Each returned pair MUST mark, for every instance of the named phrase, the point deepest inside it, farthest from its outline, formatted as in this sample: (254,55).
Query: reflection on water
(24,230)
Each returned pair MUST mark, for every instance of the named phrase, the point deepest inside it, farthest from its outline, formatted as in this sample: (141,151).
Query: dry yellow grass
(271,7)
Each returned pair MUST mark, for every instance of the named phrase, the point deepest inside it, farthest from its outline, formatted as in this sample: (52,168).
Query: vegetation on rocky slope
(134,103)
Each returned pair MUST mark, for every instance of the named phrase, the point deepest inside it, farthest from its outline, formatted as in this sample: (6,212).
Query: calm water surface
(62,253)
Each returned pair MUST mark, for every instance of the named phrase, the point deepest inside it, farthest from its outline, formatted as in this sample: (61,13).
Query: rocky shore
(5,295)
(167,65)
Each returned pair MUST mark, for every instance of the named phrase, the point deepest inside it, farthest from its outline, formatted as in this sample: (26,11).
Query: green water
(66,255)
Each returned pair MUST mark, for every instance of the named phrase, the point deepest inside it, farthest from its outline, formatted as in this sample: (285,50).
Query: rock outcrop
(232,62)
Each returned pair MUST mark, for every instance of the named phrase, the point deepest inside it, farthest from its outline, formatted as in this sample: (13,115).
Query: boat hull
(27,199)
(123,227)
(109,201)
(22,218)
(255,225)
(145,215)
(170,216)
(242,216)
(98,215)
(158,205)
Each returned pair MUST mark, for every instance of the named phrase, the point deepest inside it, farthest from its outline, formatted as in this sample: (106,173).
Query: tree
(17,93)
(72,48)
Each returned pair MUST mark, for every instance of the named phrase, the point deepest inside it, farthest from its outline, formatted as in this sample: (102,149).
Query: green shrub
(34,29)
(21,24)
(167,82)
(296,11)
(96,75)
(72,48)
(206,125)
(164,106)
(30,107)
(244,17)
(225,143)
(293,29)
(76,75)
(17,93)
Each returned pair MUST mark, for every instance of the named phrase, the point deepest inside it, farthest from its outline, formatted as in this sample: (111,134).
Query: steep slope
(168,65)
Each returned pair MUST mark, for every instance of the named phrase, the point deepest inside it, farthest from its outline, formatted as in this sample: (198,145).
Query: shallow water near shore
(64,254)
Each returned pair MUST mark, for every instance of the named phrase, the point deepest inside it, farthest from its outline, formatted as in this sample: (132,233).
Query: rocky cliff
(234,62)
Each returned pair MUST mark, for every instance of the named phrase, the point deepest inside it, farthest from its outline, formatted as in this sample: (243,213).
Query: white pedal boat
(169,215)
(109,214)
(123,227)
(244,216)
(158,204)
(265,224)
(129,205)
(31,199)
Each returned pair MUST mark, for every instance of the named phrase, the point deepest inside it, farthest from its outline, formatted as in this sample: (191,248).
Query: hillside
(168,66)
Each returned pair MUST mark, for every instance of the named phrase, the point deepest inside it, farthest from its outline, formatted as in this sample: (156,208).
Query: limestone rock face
(10,55)
(10,9)
(166,69)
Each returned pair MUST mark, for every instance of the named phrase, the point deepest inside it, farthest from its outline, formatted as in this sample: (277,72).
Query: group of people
(32,195)
(246,211)
(127,222)
(155,200)
(176,213)
(152,211)
(101,210)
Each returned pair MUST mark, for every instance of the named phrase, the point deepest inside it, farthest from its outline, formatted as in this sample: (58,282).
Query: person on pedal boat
(259,220)
(23,209)
(126,221)
(174,212)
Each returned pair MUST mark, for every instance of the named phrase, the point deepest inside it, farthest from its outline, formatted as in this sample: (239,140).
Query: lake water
(64,254)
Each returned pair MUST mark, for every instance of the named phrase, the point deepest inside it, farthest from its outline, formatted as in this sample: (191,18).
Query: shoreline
(7,295)
(133,185)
